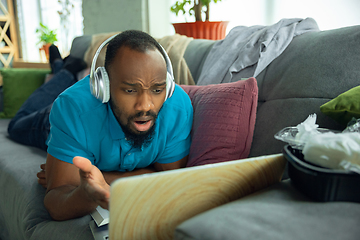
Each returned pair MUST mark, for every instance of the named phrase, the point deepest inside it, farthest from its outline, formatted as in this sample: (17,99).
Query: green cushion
(344,107)
(18,85)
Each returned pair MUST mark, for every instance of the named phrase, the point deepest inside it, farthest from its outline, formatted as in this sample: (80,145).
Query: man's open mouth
(143,126)
(142,122)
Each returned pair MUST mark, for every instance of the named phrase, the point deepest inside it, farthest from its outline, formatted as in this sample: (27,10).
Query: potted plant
(46,38)
(202,27)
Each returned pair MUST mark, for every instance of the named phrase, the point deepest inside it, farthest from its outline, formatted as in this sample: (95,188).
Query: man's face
(137,89)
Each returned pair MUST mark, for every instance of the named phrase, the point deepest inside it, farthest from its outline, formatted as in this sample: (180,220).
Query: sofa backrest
(195,55)
(315,68)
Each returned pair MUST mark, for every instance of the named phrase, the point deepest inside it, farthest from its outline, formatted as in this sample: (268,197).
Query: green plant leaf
(46,35)
(179,6)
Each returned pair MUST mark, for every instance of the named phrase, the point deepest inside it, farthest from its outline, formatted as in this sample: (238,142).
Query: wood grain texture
(152,205)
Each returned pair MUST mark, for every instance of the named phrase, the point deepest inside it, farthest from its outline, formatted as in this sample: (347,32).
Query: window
(64,16)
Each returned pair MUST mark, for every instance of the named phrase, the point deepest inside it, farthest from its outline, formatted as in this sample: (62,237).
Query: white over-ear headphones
(99,79)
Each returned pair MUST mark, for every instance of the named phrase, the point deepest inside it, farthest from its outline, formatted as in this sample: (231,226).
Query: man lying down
(126,118)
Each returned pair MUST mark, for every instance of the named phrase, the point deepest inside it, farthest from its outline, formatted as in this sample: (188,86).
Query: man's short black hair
(133,39)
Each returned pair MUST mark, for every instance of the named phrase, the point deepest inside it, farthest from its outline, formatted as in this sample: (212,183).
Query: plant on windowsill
(198,29)
(46,38)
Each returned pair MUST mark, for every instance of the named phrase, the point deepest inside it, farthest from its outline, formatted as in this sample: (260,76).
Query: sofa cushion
(18,84)
(224,119)
(344,107)
(278,212)
(22,211)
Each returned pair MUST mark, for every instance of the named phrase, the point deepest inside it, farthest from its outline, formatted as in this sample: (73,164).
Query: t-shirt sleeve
(67,137)
(179,136)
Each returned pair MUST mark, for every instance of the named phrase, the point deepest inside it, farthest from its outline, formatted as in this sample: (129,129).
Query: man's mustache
(143,113)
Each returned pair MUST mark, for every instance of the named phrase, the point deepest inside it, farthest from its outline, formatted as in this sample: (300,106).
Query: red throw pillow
(224,121)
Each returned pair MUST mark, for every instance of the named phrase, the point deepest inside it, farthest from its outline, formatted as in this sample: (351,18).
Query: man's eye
(158,90)
(130,90)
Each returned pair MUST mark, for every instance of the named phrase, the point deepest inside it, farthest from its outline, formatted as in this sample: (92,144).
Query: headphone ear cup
(101,85)
(170,85)
(106,94)
(99,79)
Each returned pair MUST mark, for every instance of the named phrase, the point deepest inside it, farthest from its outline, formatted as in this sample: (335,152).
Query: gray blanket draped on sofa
(246,51)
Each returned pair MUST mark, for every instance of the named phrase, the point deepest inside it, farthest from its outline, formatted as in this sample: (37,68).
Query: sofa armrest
(80,45)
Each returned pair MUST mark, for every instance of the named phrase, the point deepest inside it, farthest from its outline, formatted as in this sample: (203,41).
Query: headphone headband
(97,53)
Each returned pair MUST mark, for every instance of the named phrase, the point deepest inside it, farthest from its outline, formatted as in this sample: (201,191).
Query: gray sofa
(315,68)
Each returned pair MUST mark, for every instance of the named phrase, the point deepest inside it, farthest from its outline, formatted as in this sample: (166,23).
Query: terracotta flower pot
(203,30)
(45,48)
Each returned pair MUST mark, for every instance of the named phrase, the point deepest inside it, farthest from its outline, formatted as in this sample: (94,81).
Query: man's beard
(136,139)
(139,139)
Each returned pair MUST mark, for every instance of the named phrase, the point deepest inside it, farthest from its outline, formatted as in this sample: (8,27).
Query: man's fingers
(41,175)
(104,204)
(92,180)
(42,178)
(83,164)
(42,182)
(103,192)
(42,166)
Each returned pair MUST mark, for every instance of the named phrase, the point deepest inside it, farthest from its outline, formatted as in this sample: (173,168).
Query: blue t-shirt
(83,126)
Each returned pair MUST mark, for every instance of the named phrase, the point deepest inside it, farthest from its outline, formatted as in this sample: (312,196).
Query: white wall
(151,16)
(159,15)
(114,15)
(329,14)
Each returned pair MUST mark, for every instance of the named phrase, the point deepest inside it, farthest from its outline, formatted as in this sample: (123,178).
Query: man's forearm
(112,176)
(68,202)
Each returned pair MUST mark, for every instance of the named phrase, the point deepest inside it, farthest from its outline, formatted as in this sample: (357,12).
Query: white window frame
(31,12)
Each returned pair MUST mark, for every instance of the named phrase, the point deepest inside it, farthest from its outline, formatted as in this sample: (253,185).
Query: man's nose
(144,102)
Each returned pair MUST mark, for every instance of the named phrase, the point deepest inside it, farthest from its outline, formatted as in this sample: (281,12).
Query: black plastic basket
(321,184)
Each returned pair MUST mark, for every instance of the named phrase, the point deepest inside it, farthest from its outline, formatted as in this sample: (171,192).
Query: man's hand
(98,190)
(73,190)
(93,182)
